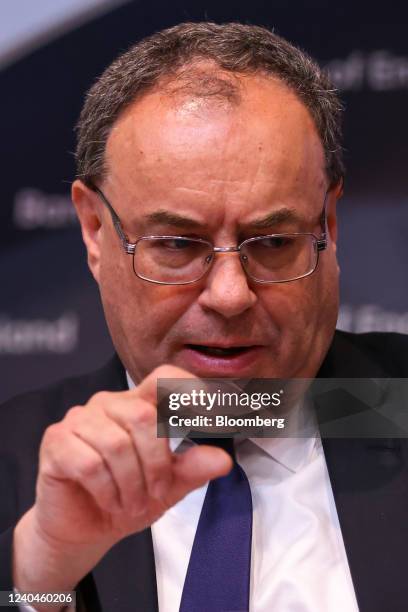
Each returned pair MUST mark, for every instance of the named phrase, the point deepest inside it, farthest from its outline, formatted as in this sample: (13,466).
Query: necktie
(218,573)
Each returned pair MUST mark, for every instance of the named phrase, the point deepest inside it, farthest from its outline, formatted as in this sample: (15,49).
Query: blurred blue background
(51,321)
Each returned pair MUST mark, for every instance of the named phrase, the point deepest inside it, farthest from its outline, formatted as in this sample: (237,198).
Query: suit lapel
(371,495)
(369,482)
(125,578)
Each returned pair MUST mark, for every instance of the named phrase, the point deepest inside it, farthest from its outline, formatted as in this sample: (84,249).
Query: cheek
(327,280)
(140,311)
(303,315)
(161,307)
(291,305)
(304,306)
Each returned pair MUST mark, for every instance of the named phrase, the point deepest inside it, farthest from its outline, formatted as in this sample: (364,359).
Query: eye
(178,244)
(275,242)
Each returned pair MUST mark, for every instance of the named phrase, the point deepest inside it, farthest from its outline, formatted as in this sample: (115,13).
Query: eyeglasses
(179,260)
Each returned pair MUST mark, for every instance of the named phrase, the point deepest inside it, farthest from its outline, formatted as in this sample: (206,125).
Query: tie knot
(226,444)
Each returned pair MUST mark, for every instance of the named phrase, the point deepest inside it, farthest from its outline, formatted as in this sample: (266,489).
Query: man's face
(221,167)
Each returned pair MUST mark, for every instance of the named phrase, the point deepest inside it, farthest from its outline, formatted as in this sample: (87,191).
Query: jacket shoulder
(386,352)
(23,418)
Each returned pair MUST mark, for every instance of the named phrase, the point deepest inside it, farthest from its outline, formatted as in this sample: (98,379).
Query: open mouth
(215,351)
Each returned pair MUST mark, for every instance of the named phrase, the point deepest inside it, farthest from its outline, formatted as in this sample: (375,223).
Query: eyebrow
(282,215)
(166,217)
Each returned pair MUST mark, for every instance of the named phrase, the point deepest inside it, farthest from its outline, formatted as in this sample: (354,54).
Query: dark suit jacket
(369,479)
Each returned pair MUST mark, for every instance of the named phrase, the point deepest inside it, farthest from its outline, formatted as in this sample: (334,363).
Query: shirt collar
(291,452)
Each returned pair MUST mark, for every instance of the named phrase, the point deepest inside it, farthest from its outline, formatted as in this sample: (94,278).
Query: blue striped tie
(218,573)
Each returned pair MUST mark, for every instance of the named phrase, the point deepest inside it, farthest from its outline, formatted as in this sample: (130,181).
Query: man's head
(221,133)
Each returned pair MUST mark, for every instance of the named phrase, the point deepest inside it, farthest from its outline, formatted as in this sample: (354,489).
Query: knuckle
(52,435)
(47,467)
(119,445)
(51,446)
(51,432)
(145,414)
(73,413)
(101,398)
(89,468)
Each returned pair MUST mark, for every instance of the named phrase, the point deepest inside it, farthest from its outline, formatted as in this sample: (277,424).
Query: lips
(207,360)
(218,351)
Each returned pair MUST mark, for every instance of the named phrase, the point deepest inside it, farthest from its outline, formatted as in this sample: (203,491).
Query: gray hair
(237,49)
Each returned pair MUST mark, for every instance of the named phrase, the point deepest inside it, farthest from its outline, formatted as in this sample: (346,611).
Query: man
(193,143)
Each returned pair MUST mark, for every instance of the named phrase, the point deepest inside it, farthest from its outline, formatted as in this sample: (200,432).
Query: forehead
(185,149)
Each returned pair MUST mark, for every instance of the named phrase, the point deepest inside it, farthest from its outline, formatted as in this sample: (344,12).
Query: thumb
(195,467)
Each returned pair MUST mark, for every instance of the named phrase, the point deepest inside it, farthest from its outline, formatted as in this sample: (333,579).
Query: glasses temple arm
(115,220)
(322,241)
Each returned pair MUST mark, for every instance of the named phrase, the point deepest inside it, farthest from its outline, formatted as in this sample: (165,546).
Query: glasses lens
(171,260)
(279,258)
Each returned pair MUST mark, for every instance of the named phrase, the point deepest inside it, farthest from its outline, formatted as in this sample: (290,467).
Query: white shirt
(298,561)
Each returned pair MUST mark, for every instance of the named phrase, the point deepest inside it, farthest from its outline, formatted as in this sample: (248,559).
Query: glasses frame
(130,247)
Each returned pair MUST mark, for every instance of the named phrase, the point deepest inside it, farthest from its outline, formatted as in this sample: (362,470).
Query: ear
(334,195)
(88,211)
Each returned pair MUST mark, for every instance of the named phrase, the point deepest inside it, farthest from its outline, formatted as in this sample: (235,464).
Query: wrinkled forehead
(258,138)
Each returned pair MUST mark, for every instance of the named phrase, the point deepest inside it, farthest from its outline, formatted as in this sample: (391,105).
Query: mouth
(229,361)
(217,351)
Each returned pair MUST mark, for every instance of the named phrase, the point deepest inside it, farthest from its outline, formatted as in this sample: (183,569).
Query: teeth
(222,352)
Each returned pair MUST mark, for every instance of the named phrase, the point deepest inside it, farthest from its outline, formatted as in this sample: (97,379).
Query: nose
(227,291)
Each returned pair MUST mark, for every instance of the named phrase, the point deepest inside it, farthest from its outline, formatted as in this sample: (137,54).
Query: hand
(103,475)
